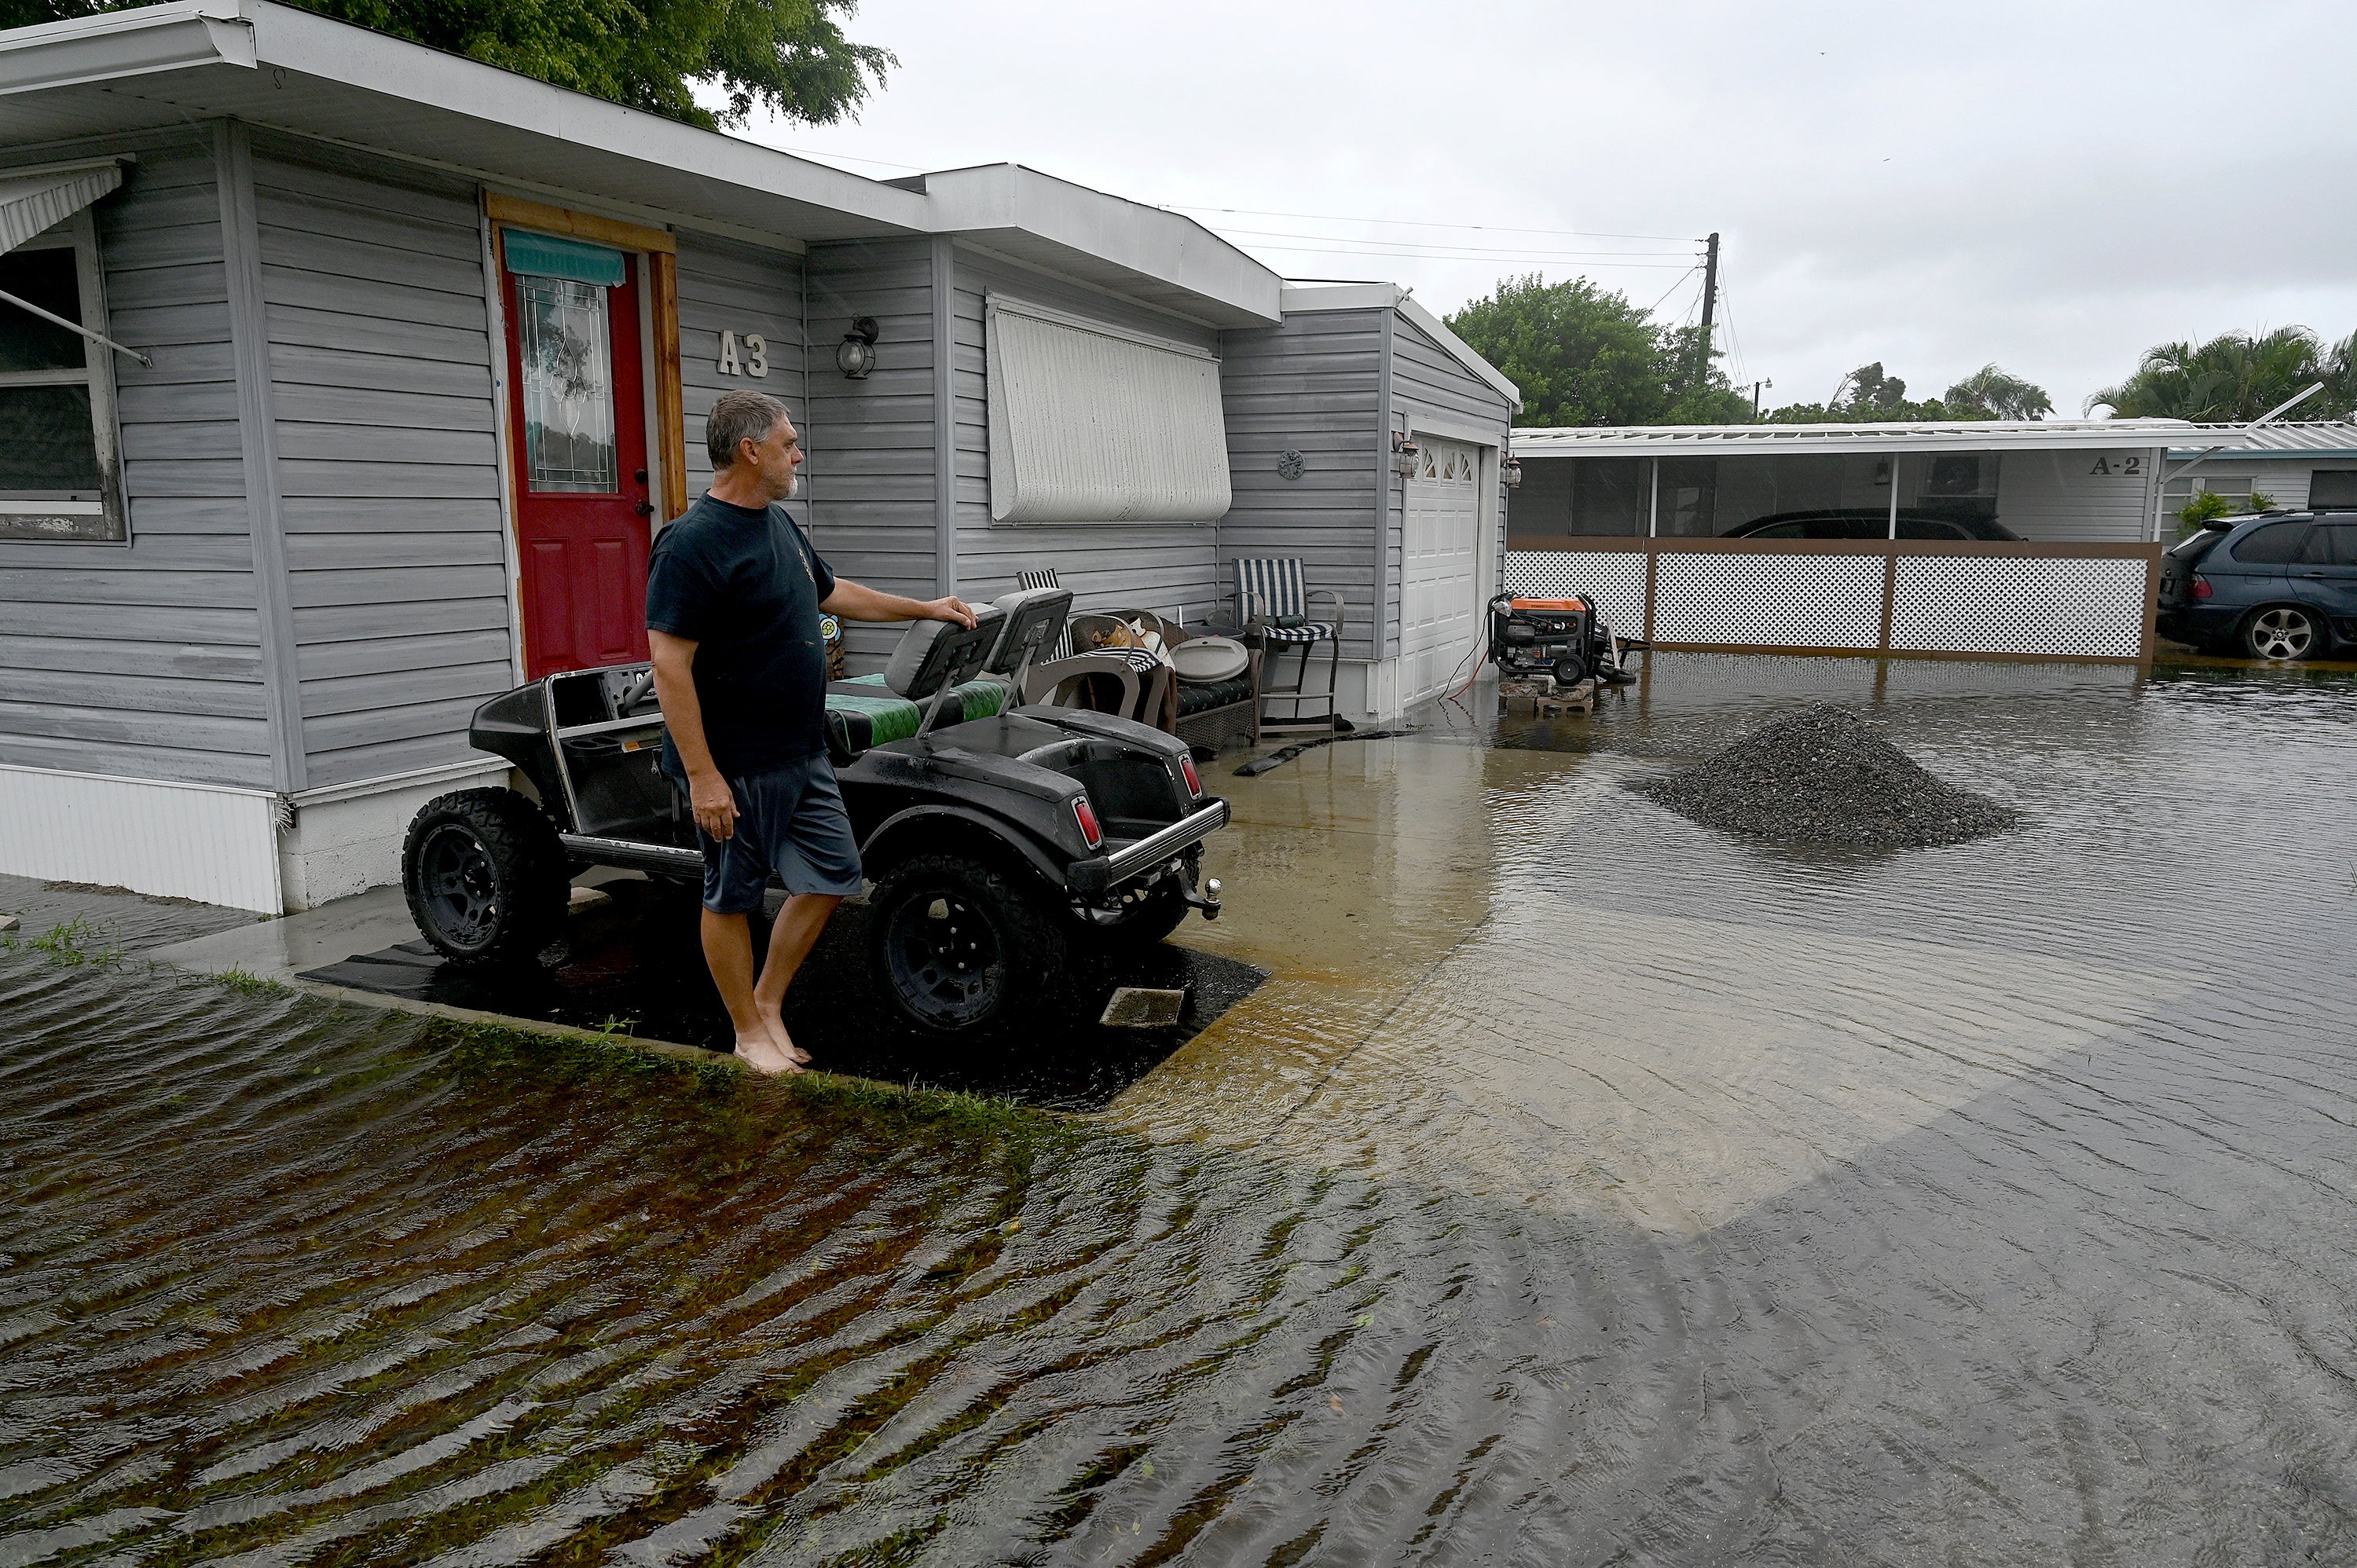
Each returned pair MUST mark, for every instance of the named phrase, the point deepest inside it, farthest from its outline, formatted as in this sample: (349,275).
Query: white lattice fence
(1993,604)
(2042,605)
(1772,601)
(1614,580)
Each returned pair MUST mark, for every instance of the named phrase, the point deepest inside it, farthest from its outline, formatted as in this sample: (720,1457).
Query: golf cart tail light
(1085,814)
(1194,780)
(2200,587)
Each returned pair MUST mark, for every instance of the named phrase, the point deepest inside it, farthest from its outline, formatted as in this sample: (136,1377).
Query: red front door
(582,513)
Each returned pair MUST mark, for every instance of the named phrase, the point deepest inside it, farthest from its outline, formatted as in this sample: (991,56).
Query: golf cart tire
(485,876)
(962,950)
(2268,627)
(1155,913)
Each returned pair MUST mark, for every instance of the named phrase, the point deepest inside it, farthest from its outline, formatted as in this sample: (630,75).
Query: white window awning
(1092,424)
(33,201)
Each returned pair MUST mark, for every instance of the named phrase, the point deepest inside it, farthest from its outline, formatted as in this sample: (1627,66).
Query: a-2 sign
(2132,466)
(753,360)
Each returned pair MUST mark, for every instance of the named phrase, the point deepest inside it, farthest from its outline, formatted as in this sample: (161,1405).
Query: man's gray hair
(740,417)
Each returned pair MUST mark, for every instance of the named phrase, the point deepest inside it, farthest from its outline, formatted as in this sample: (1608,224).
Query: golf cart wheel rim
(2282,634)
(945,956)
(460,887)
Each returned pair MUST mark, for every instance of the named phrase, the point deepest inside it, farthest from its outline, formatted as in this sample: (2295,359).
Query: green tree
(2233,376)
(789,56)
(1585,356)
(1868,395)
(2000,394)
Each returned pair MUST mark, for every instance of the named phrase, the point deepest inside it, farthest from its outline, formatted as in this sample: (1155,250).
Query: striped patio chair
(1274,608)
(1045,578)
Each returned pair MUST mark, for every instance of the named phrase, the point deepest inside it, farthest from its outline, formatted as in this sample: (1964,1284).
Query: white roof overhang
(1146,252)
(1300,300)
(1771,440)
(273,66)
(33,200)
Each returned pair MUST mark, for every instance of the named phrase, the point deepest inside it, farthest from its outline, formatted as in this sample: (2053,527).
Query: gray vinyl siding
(143,659)
(1314,384)
(728,287)
(1168,567)
(381,374)
(869,479)
(1429,379)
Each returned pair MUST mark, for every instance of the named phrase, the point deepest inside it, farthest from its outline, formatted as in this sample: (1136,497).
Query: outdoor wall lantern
(1404,455)
(1511,470)
(857,354)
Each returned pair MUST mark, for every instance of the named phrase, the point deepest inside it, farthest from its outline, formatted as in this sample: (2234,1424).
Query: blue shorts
(789,820)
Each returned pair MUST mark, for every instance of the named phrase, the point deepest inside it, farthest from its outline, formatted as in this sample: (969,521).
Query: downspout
(257,420)
(945,573)
(1386,474)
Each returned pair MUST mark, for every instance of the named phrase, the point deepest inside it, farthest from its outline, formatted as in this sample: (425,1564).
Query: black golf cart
(1004,842)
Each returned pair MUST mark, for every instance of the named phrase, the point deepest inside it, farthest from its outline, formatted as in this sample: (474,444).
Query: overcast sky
(2054,187)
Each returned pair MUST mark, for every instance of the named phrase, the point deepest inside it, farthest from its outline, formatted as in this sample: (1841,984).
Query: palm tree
(1998,395)
(2235,376)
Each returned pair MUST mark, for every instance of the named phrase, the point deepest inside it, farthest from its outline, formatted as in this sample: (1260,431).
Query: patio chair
(1045,578)
(1273,608)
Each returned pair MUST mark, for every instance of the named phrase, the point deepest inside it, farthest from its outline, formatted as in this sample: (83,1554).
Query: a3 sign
(746,356)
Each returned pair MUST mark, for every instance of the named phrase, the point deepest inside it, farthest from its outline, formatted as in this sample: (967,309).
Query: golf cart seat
(935,661)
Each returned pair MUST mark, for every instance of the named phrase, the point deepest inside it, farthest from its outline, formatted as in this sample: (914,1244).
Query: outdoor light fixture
(1402,455)
(857,354)
(1511,470)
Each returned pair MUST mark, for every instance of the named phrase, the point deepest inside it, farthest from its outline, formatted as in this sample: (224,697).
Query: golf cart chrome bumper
(1179,836)
(634,855)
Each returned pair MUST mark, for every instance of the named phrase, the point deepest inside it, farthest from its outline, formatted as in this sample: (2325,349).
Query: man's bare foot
(761,1053)
(776,1024)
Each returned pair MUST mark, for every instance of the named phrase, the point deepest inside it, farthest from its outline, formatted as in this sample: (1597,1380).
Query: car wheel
(484,874)
(960,949)
(2284,632)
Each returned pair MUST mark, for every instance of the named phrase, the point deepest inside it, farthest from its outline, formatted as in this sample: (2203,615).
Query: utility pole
(1710,305)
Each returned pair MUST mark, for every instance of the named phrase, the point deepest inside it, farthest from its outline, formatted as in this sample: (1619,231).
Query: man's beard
(794,486)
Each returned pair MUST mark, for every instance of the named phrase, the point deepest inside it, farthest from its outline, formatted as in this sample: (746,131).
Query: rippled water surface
(1583,1186)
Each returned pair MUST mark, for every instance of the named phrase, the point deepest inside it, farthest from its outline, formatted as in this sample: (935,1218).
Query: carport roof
(2305,438)
(162,67)
(1763,440)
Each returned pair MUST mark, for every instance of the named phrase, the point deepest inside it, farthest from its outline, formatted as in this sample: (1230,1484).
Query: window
(1609,496)
(2332,488)
(59,478)
(2332,544)
(1091,423)
(2176,492)
(2272,545)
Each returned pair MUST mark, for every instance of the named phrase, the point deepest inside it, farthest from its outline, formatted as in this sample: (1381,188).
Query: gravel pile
(1826,777)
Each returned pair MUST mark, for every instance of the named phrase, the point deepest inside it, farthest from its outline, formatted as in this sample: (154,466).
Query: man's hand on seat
(952,608)
(715,807)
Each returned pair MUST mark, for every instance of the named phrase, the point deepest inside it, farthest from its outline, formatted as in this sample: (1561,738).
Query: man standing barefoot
(733,592)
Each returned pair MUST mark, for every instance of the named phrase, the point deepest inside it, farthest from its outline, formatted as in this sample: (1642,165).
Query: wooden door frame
(665,455)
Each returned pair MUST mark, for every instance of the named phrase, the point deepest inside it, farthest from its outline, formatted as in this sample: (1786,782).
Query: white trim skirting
(182,841)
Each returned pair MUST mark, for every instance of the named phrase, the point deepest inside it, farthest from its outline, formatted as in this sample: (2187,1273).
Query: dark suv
(2274,585)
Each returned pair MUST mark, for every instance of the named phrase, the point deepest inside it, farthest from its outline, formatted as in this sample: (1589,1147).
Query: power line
(1419,223)
(1460,256)
(1418,245)
(1674,287)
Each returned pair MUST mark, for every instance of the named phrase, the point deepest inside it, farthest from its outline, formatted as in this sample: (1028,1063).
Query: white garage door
(1440,588)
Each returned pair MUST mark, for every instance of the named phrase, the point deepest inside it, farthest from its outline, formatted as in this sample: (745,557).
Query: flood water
(1582,1186)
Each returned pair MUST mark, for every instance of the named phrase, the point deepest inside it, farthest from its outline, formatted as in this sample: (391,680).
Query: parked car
(1870,522)
(2275,584)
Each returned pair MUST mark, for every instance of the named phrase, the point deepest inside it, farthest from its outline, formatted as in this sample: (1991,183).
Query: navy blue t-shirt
(745,588)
